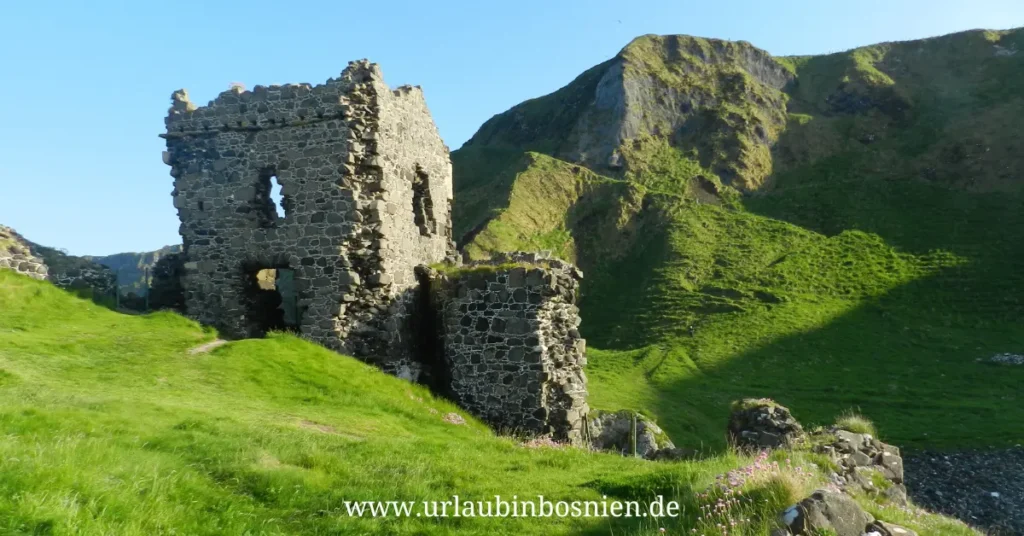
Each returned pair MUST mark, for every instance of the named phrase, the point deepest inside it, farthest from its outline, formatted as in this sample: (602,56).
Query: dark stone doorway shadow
(271,299)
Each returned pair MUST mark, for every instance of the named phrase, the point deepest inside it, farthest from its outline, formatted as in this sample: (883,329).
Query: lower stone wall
(15,254)
(97,278)
(510,344)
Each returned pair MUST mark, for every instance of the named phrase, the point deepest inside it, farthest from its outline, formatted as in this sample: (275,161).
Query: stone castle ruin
(366,193)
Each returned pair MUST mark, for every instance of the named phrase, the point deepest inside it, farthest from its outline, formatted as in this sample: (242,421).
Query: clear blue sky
(86,84)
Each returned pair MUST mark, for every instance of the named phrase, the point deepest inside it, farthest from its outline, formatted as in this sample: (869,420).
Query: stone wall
(15,254)
(510,342)
(366,186)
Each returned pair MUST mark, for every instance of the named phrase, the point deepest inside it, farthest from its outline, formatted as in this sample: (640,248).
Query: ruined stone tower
(510,343)
(366,188)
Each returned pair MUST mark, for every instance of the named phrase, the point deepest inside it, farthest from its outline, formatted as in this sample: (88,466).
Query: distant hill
(131,267)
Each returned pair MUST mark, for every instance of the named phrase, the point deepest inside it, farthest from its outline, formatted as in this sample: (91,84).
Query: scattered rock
(1008,359)
(833,512)
(762,423)
(864,463)
(827,510)
(984,489)
(454,418)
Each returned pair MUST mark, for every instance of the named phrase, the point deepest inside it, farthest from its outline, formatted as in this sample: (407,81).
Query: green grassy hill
(833,232)
(112,424)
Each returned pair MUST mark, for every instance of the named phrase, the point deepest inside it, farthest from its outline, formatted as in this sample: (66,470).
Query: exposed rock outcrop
(836,513)
(761,423)
(669,87)
(827,511)
(864,463)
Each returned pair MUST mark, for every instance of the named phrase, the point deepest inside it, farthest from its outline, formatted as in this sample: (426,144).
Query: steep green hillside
(115,424)
(131,267)
(862,251)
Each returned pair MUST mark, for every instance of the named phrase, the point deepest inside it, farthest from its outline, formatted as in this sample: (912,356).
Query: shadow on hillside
(914,360)
(614,290)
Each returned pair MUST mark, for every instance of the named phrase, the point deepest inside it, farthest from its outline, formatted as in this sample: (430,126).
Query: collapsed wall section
(509,338)
(17,255)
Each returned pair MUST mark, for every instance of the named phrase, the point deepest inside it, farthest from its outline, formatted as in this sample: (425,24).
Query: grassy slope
(111,426)
(882,262)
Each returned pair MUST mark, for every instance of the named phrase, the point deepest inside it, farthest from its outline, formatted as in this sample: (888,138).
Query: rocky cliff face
(632,148)
(131,268)
(720,101)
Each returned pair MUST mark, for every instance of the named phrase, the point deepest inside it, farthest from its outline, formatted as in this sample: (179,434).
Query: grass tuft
(857,423)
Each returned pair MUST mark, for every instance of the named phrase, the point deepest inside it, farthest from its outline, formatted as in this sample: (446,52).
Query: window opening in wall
(275,196)
(271,300)
(422,204)
(271,203)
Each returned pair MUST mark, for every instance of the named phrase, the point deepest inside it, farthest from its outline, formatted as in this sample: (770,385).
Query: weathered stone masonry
(366,190)
(366,186)
(511,344)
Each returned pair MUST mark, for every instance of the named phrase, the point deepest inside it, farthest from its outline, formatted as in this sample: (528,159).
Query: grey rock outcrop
(861,460)
(827,511)
(763,424)
(833,512)
(669,86)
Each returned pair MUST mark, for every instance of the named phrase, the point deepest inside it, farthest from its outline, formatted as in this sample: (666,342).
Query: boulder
(610,431)
(763,424)
(827,511)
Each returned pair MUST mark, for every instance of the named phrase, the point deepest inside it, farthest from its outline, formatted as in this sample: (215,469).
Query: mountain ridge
(875,233)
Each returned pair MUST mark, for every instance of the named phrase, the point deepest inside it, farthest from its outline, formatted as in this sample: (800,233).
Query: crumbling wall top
(542,260)
(273,106)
